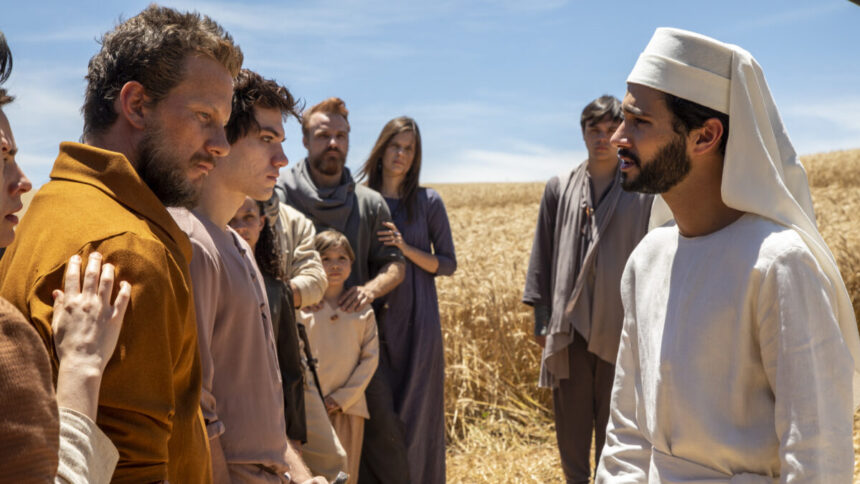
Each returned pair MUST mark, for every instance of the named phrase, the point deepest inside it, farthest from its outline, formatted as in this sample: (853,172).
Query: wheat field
(499,424)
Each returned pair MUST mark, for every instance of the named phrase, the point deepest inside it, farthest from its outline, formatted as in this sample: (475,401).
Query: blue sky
(496,86)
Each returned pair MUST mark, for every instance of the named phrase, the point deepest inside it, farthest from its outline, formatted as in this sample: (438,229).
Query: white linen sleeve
(809,370)
(305,271)
(86,453)
(626,456)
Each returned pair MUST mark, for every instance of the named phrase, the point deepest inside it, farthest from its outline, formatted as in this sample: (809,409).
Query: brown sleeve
(29,423)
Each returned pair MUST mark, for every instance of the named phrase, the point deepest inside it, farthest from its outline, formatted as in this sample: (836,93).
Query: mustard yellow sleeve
(137,398)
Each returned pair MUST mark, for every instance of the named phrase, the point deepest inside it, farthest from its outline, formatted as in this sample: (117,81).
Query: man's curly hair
(151,48)
(251,91)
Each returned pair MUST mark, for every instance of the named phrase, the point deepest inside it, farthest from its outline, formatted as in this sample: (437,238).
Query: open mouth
(627,159)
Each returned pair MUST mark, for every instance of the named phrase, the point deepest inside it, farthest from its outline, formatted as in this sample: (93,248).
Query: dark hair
(332,105)
(268,250)
(604,108)
(688,115)
(5,69)
(252,91)
(372,169)
(151,48)
(332,239)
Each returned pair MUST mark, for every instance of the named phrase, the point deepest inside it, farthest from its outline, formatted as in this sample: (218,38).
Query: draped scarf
(577,234)
(327,207)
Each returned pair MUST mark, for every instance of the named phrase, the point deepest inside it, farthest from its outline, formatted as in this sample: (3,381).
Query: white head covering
(761,174)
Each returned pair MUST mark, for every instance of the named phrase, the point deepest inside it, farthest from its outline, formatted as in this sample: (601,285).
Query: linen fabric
(761,173)
(732,366)
(302,264)
(346,347)
(86,453)
(323,452)
(350,432)
(578,255)
(149,399)
(242,397)
(415,357)
(347,351)
(353,210)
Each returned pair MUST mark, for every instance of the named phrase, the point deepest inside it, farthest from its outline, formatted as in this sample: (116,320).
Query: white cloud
(529,163)
(315,19)
(825,125)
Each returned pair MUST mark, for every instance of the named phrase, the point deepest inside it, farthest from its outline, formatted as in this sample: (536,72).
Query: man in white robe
(739,345)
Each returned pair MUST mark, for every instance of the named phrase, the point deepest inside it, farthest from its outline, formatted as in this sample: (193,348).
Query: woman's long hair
(268,250)
(371,172)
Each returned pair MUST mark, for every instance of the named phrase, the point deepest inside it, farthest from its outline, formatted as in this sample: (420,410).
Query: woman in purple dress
(412,334)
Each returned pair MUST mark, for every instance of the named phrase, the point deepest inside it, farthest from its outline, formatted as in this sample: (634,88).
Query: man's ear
(131,103)
(706,139)
(306,141)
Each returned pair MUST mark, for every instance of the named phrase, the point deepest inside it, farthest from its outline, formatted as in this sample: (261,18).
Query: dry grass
(499,423)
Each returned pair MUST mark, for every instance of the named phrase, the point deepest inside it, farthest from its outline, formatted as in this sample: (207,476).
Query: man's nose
(280,159)
(22,185)
(619,137)
(217,144)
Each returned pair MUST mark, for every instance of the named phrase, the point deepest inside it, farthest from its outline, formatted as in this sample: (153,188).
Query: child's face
(337,265)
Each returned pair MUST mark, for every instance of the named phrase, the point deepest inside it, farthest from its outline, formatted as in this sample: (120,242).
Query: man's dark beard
(668,167)
(164,174)
(320,164)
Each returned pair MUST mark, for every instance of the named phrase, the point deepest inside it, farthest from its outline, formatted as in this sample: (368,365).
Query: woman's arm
(86,329)
(442,261)
(424,260)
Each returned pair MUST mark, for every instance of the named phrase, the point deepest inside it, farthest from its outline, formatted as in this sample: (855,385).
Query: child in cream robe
(346,347)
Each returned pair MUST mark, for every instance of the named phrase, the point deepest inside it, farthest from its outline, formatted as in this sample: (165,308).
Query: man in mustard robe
(158,95)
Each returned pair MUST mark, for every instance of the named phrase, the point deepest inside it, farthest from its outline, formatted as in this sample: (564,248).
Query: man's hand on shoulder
(356,298)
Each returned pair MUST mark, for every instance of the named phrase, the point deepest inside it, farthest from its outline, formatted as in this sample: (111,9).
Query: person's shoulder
(74,208)
(290,215)
(657,241)
(197,229)
(369,199)
(552,185)
(778,244)
(364,192)
(432,197)
(184,219)
(287,176)
(289,212)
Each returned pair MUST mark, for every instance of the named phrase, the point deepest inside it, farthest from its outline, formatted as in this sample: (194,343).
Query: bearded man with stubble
(322,188)
(158,96)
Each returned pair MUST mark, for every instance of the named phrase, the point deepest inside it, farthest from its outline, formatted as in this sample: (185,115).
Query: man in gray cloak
(587,226)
